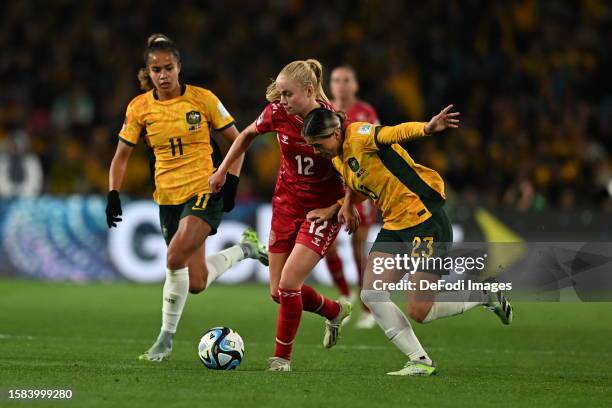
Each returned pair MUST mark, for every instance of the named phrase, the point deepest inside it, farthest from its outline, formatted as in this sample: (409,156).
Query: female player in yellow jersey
(175,121)
(372,162)
(344,87)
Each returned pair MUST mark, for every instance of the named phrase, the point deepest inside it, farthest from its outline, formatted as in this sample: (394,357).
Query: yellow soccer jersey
(372,164)
(178,132)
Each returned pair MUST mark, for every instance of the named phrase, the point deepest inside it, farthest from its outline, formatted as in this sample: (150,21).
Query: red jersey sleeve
(362,112)
(265,121)
(373,116)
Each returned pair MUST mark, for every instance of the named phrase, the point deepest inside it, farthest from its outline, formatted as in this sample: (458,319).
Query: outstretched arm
(230,187)
(231,134)
(388,135)
(233,158)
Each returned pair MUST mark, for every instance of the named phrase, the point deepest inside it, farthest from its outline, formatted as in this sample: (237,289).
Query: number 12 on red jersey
(304,165)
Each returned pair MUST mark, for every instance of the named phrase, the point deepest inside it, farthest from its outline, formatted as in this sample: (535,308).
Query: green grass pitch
(88,337)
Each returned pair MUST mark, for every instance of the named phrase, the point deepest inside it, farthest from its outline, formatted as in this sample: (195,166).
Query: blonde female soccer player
(305,181)
(174,120)
(411,197)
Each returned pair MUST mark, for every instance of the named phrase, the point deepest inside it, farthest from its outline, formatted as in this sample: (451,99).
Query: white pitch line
(144,342)
(12,337)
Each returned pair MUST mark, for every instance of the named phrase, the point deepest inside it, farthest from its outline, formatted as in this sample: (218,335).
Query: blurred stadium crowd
(529,77)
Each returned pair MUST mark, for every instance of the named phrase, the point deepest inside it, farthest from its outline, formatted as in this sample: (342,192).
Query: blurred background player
(21,174)
(305,182)
(175,120)
(411,198)
(344,87)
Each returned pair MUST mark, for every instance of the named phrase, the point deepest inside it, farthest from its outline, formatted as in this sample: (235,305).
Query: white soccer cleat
(160,350)
(366,321)
(332,327)
(416,369)
(498,304)
(278,364)
(156,356)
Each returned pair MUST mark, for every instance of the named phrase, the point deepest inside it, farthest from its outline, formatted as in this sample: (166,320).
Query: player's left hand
(444,119)
(322,214)
(113,209)
(349,216)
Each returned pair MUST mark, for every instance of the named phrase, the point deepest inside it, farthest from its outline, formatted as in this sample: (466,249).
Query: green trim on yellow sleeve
(221,129)
(127,142)
(376,130)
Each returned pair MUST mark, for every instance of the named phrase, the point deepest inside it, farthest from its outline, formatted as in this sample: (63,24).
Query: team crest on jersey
(364,129)
(193,117)
(354,166)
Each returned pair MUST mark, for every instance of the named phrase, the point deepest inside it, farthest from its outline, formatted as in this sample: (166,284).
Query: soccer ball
(221,348)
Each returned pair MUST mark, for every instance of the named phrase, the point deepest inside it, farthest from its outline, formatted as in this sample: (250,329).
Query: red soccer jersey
(362,112)
(305,180)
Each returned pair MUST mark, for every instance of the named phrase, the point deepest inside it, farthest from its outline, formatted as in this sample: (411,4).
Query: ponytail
(308,72)
(155,42)
(317,70)
(146,84)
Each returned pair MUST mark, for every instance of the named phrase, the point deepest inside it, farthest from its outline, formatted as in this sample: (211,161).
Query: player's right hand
(216,181)
(349,216)
(113,209)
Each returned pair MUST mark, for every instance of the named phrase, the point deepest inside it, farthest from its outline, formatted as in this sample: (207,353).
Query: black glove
(228,192)
(113,208)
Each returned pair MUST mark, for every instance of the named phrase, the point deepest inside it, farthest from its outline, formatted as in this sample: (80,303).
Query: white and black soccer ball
(221,348)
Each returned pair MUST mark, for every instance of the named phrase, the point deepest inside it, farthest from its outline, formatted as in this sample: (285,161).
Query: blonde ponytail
(317,69)
(308,72)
